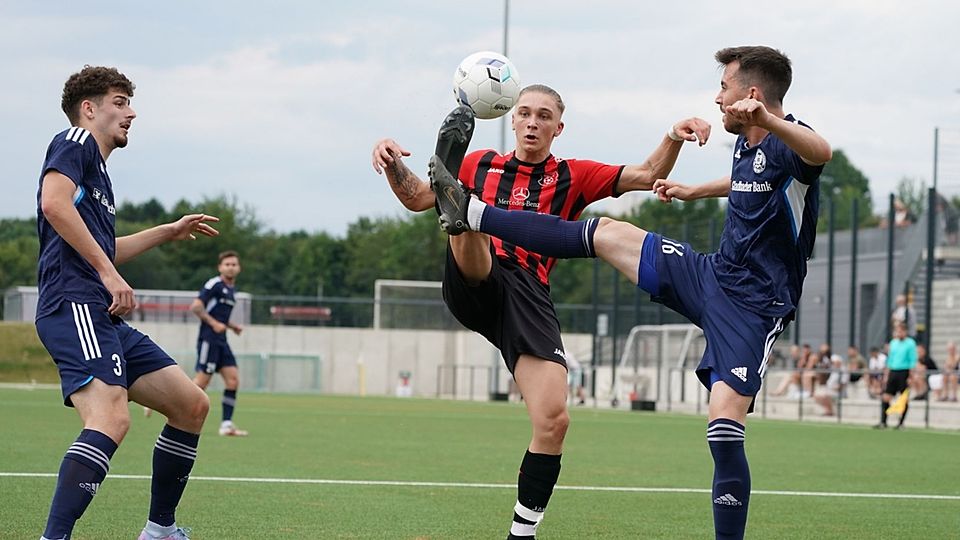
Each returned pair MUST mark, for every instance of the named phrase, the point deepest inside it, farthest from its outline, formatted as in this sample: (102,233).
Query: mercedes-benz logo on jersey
(520,194)
(759,162)
(547,180)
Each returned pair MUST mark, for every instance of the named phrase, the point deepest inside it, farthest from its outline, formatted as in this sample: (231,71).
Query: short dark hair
(544,89)
(92,82)
(226,255)
(760,66)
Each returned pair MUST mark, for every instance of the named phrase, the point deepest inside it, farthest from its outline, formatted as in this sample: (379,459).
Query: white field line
(618,489)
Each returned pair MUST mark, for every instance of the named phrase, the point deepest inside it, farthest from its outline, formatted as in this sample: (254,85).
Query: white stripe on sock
(526,513)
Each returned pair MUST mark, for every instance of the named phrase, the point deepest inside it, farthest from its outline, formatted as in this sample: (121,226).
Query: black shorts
(512,309)
(897,381)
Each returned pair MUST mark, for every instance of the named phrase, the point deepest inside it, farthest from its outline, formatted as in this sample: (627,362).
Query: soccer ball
(488,83)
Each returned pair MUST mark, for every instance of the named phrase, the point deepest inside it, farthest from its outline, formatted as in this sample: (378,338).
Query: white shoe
(227,429)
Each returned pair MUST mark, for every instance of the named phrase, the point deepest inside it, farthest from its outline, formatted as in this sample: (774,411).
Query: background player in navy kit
(741,296)
(213,307)
(501,290)
(102,361)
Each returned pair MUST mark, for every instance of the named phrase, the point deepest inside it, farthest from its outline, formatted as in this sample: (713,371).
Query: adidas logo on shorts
(740,372)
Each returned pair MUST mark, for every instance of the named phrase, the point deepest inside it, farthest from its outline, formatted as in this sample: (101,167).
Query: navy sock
(173,458)
(83,468)
(731,478)
(883,411)
(541,233)
(229,402)
(538,475)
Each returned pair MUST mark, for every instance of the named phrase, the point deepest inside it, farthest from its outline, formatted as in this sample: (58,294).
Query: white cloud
(281,107)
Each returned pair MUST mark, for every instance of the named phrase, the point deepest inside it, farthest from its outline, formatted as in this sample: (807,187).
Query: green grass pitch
(625,475)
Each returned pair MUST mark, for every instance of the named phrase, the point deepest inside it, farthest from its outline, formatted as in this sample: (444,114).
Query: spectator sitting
(835,387)
(920,381)
(876,365)
(816,371)
(795,360)
(855,363)
(950,374)
(902,216)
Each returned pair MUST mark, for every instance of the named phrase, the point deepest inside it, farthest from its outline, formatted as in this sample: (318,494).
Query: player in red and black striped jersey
(501,290)
(743,295)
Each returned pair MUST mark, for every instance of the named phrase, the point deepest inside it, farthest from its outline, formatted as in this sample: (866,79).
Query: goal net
(410,304)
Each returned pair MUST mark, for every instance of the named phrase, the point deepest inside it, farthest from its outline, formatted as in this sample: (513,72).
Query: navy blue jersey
(218,299)
(62,273)
(770,227)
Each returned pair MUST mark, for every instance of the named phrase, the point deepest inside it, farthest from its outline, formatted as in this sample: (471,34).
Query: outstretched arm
(668,190)
(133,245)
(663,158)
(410,190)
(56,203)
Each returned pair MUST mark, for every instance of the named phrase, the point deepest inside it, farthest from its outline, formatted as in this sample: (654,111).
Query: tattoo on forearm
(404,182)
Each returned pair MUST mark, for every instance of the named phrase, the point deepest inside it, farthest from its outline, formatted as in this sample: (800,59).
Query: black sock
(538,475)
(903,416)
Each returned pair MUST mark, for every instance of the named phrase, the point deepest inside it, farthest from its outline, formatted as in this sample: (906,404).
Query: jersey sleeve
(596,180)
(208,291)
(799,169)
(69,156)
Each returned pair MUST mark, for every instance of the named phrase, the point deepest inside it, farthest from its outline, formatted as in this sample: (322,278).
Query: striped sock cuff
(588,230)
(525,521)
(724,430)
(229,400)
(178,443)
(93,449)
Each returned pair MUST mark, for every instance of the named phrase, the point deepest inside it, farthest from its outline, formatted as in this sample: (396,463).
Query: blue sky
(280,104)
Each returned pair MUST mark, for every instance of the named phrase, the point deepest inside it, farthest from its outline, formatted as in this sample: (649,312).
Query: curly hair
(762,66)
(92,82)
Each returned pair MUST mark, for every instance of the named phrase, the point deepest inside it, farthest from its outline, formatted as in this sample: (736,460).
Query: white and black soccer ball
(488,83)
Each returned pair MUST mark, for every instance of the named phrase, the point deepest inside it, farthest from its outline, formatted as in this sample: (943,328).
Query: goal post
(399,303)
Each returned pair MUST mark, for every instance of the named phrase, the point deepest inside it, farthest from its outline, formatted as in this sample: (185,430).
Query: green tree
(842,183)
(392,248)
(19,249)
(913,193)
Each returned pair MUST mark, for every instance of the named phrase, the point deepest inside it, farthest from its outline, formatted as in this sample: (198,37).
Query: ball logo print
(759,162)
(488,83)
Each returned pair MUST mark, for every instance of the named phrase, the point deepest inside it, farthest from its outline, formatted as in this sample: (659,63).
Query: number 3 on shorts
(118,370)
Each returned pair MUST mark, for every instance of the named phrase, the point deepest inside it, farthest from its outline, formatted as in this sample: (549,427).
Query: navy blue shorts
(738,341)
(86,342)
(212,356)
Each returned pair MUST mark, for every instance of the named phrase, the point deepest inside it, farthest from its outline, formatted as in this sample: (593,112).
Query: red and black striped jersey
(556,186)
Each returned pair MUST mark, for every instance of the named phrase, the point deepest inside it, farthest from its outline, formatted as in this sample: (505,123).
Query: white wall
(384,353)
